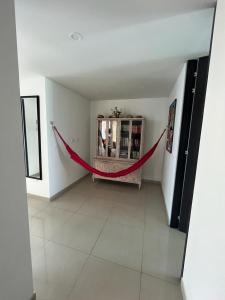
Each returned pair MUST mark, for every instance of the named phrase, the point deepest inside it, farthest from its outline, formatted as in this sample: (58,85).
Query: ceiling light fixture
(76,36)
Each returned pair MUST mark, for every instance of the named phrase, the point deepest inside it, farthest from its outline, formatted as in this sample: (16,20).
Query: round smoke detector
(76,36)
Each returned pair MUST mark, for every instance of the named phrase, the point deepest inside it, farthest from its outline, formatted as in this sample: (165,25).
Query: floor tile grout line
(115,263)
(75,250)
(87,253)
(73,211)
(126,224)
(50,239)
(37,212)
(78,276)
(103,227)
(89,256)
(107,220)
(143,241)
(140,286)
(68,210)
(65,246)
(51,207)
(62,224)
(171,280)
(77,212)
(142,256)
(91,216)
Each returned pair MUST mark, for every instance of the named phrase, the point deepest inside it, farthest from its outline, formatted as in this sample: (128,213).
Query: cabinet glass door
(112,139)
(136,139)
(102,138)
(124,139)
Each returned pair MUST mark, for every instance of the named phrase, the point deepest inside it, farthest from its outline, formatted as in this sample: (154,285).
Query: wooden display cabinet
(119,145)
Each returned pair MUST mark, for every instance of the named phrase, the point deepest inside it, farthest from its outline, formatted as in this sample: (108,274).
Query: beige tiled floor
(105,241)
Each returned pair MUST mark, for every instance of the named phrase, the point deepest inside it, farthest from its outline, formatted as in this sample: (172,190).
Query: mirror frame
(25,136)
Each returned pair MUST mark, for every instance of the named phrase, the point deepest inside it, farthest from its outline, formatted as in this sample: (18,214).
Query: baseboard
(33,297)
(38,197)
(57,195)
(151,181)
(168,217)
(69,187)
(183,290)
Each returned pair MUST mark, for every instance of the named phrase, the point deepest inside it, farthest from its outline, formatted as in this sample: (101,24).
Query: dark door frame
(212,33)
(188,96)
(193,144)
(183,144)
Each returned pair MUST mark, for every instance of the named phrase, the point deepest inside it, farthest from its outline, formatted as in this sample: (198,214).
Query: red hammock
(75,157)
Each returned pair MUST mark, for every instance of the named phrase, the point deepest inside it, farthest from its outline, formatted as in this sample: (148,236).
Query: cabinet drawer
(109,166)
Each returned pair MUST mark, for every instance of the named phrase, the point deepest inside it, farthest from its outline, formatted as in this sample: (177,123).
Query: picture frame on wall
(170,127)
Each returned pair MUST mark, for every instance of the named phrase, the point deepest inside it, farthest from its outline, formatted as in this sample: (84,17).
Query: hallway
(105,240)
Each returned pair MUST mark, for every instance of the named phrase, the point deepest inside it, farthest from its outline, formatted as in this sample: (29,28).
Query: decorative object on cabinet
(116,112)
(119,145)
(170,127)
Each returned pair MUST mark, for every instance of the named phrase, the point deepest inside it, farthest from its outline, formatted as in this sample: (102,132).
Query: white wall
(30,87)
(170,159)
(204,271)
(155,112)
(71,114)
(15,260)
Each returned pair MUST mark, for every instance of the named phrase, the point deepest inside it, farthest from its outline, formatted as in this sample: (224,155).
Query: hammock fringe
(76,158)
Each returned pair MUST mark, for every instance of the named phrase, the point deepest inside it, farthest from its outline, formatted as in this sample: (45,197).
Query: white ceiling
(131,48)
